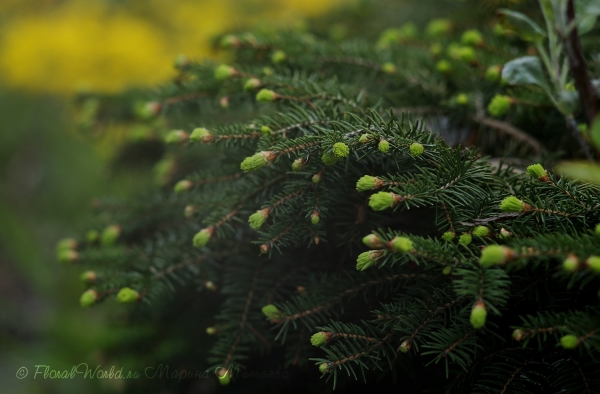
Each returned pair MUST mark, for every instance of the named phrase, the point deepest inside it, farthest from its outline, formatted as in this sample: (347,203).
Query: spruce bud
(478,315)
(224,102)
(504,233)
(251,84)
(324,368)
(181,61)
(518,335)
(500,105)
(481,231)
(443,67)
(365,138)
(368,182)
(183,186)
(383,200)
(538,172)
(271,311)
(466,54)
(436,49)
(257,161)
(88,298)
(210,286)
(472,38)
(465,239)
(495,254)
(176,137)
(329,159)
(388,68)
(448,235)
(127,296)
(447,270)
(367,259)
(438,27)
(265,95)
(493,73)
(571,263)
(416,149)
(224,72)
(320,338)
(148,110)
(340,150)
(92,236)
(401,245)
(597,229)
(211,330)
(264,248)
(513,204)
(200,134)
(224,376)
(110,234)
(190,211)
(405,346)
(259,218)
(317,178)
(278,57)
(314,218)
(67,256)
(462,99)
(373,241)
(89,277)
(298,164)
(265,130)
(569,341)
(230,40)
(66,244)
(383,146)
(202,237)
(593,263)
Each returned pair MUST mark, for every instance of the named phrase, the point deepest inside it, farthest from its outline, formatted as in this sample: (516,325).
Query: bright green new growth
(402,245)
(381,201)
(472,37)
(493,73)
(447,270)
(251,84)
(593,263)
(254,162)
(340,150)
(365,138)
(278,57)
(318,339)
(571,263)
(480,231)
(511,204)
(258,218)
(366,183)
(536,171)
(462,99)
(66,244)
(92,236)
(229,41)
(438,27)
(266,95)
(211,330)
(388,68)
(67,255)
(323,368)
(466,54)
(372,241)
(493,255)
(200,134)
(201,238)
(416,149)
(383,146)
(88,298)
(183,186)
(127,296)
(224,72)
(110,235)
(569,341)
(298,164)
(176,137)
(88,277)
(265,130)
(329,159)
(367,259)
(448,235)
(478,315)
(443,67)
(271,311)
(499,105)
(315,218)
(465,239)
(597,229)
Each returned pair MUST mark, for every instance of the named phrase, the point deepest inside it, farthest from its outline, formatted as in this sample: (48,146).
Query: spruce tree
(376,207)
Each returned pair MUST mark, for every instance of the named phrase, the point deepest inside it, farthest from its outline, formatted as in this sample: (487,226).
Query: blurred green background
(50,172)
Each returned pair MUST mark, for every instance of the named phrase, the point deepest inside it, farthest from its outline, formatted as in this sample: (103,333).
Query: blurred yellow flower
(76,45)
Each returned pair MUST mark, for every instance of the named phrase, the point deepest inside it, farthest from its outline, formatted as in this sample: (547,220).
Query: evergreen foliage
(286,162)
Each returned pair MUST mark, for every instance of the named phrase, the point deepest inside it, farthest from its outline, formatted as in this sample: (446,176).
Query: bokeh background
(51,172)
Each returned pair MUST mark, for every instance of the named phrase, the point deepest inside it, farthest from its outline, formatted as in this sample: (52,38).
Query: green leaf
(525,70)
(581,171)
(527,29)
(595,132)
